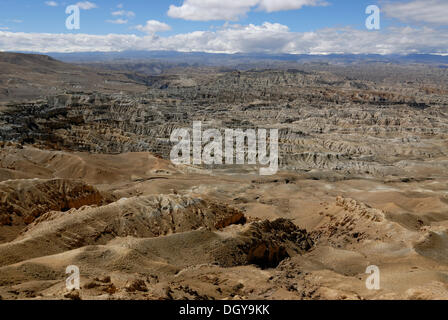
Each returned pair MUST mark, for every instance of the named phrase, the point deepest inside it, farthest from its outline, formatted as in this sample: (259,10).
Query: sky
(227,26)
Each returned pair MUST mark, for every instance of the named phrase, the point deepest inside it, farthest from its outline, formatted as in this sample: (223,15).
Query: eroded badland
(86,180)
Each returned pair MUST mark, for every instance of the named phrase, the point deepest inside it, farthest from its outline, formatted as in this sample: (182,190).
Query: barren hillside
(86,180)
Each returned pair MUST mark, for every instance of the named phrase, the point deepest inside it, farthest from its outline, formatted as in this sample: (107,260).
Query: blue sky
(36,16)
(291,26)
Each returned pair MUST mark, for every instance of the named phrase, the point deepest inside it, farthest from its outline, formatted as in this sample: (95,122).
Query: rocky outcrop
(351,222)
(269,243)
(141,217)
(24,201)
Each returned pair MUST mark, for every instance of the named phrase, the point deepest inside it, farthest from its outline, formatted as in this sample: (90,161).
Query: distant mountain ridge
(203,58)
(31,76)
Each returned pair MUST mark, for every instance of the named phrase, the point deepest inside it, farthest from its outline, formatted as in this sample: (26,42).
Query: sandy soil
(140,228)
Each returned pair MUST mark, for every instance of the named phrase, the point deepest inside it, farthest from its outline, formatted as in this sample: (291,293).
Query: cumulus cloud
(129,14)
(206,10)
(265,38)
(51,3)
(423,11)
(118,21)
(86,5)
(276,5)
(153,26)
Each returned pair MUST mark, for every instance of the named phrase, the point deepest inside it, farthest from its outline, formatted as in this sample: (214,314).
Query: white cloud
(424,11)
(86,5)
(118,21)
(282,5)
(266,38)
(129,14)
(4,28)
(206,10)
(51,3)
(153,26)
